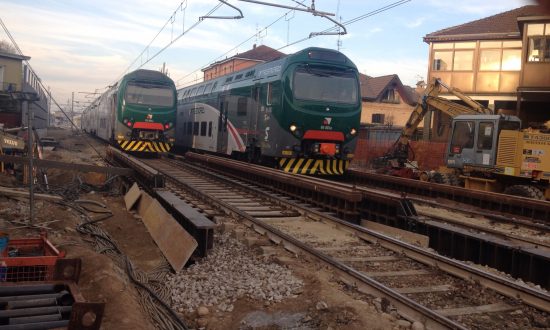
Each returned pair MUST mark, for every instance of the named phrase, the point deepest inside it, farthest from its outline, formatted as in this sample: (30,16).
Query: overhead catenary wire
(12,39)
(173,40)
(351,21)
(313,35)
(237,46)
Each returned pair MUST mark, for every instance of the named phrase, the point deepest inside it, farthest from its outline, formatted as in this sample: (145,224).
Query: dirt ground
(102,279)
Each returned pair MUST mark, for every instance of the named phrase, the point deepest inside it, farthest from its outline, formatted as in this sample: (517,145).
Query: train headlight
(353,131)
(293,128)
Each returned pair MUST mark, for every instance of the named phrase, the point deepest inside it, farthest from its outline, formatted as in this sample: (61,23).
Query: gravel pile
(230,272)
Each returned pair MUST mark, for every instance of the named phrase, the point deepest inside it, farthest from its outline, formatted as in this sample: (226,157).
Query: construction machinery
(10,144)
(485,152)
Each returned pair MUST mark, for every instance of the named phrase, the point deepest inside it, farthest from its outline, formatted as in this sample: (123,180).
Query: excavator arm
(399,152)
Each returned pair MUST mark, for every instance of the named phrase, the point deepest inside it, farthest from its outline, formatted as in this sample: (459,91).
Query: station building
(16,78)
(501,61)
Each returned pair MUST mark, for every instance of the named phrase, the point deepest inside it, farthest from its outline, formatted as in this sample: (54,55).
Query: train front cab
(322,114)
(147,118)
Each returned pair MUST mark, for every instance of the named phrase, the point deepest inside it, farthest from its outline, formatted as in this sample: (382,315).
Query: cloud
(480,8)
(415,23)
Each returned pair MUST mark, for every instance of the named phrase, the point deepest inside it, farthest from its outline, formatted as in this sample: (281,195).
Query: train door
(112,123)
(223,106)
(254,127)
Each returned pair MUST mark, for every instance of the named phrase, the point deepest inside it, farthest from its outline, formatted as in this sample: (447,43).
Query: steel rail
(408,308)
(532,297)
(534,209)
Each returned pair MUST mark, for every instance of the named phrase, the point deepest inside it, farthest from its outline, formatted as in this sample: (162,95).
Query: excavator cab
(474,139)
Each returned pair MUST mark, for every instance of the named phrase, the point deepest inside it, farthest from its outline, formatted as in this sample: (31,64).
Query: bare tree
(7,47)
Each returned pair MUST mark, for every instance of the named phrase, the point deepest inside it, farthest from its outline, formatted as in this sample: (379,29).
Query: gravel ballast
(231,271)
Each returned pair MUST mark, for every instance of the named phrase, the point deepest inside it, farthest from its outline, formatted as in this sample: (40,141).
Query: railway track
(419,285)
(522,258)
(536,210)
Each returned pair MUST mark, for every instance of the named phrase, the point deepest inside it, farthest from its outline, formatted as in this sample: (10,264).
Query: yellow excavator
(10,144)
(485,152)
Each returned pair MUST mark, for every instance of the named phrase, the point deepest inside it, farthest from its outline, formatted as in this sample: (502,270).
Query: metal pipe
(34,296)
(31,303)
(36,326)
(35,311)
(30,289)
(35,319)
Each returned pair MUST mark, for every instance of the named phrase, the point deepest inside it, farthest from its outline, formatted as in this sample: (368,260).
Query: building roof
(499,26)
(373,88)
(14,56)
(259,53)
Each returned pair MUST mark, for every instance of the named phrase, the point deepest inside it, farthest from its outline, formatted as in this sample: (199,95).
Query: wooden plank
(491,308)
(43,163)
(411,272)
(175,243)
(403,235)
(25,194)
(423,289)
(132,196)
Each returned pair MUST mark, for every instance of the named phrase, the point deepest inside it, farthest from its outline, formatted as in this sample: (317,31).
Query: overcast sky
(80,46)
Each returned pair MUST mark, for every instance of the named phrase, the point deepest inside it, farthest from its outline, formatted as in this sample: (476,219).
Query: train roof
(143,74)
(271,70)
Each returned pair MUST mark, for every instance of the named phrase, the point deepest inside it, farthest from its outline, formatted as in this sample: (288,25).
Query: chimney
(254,46)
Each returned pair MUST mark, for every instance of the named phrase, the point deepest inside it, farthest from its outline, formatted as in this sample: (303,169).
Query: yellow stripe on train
(314,166)
(144,146)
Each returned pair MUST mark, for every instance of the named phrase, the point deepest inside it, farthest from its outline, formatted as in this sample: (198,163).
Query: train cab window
(241,106)
(203,128)
(229,79)
(269,94)
(209,128)
(189,128)
(196,128)
(485,136)
(463,136)
(239,76)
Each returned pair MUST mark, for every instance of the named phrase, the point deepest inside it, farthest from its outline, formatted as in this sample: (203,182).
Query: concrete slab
(403,235)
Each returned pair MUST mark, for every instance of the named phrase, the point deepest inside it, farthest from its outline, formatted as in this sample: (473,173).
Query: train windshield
(149,94)
(322,85)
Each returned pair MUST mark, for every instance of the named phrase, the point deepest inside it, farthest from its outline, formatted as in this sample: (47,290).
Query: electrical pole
(30,151)
(72,111)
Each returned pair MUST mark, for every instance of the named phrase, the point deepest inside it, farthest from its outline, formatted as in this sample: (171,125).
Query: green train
(300,113)
(137,114)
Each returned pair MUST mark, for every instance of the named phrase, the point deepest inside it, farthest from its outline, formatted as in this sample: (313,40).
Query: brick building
(258,54)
